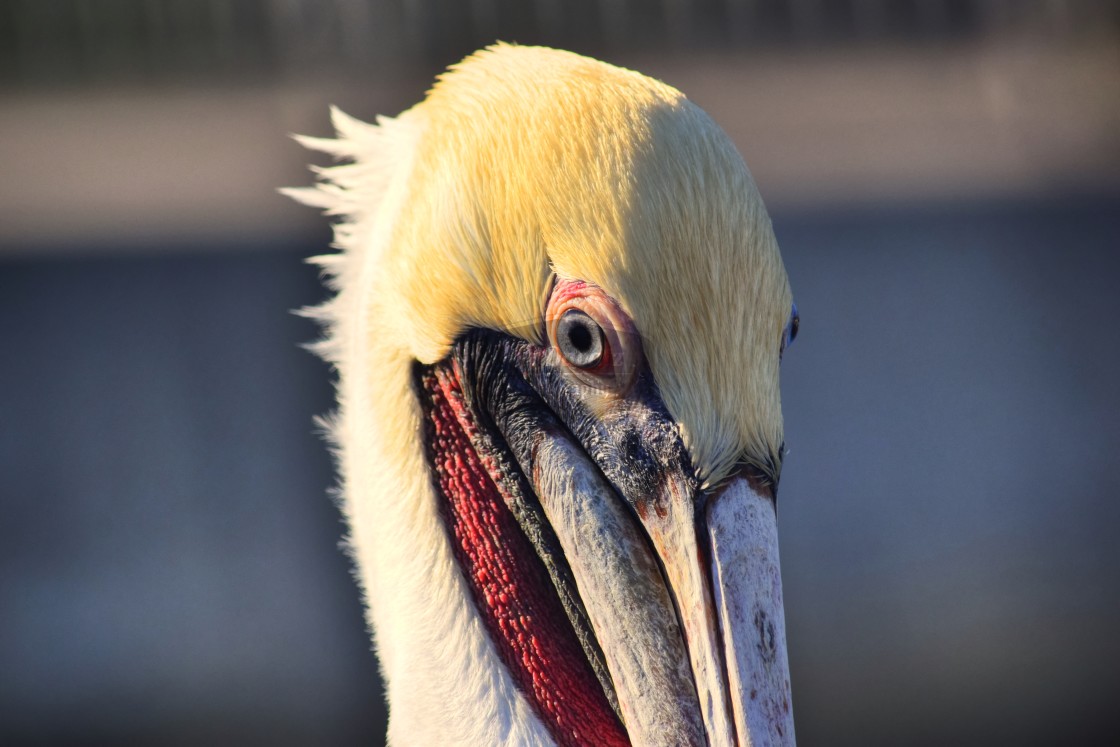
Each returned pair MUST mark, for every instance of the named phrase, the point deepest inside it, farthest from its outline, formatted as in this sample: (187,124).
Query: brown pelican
(559,317)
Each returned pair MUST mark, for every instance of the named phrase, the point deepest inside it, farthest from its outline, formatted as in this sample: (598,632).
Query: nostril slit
(763,478)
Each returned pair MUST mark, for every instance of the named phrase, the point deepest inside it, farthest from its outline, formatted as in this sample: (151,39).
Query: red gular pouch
(509,583)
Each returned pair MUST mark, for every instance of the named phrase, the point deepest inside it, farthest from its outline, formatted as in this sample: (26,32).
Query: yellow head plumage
(524,163)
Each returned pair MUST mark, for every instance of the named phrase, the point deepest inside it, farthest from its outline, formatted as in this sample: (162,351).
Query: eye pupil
(579,339)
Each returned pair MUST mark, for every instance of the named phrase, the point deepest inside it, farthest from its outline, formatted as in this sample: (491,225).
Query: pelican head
(559,317)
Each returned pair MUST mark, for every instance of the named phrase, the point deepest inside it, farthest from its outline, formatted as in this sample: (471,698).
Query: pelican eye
(789,334)
(579,339)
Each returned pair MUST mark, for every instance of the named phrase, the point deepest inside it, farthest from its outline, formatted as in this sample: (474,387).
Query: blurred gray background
(944,178)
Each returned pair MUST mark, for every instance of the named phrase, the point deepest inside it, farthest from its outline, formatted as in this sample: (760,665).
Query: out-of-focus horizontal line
(851,127)
(82,43)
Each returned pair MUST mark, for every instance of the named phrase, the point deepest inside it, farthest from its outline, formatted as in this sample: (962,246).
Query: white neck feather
(445,681)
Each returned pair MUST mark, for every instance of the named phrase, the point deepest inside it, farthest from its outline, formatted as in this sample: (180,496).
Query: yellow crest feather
(527,162)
